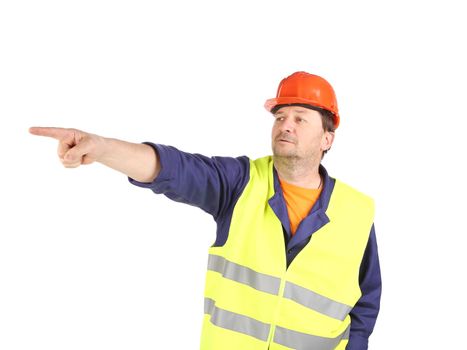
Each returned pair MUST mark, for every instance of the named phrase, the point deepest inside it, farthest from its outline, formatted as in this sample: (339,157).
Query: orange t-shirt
(299,202)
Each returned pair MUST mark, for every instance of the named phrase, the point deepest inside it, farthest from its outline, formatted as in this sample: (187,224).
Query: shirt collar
(323,200)
(317,216)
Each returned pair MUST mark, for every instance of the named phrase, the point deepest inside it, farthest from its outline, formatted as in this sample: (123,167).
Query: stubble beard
(291,161)
(287,159)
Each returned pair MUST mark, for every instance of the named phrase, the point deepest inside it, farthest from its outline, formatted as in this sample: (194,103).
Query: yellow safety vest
(253,301)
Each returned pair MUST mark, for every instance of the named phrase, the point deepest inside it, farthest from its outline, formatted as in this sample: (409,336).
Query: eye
(279,119)
(300,120)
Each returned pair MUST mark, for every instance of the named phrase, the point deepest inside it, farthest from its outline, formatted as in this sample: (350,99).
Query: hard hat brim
(272,102)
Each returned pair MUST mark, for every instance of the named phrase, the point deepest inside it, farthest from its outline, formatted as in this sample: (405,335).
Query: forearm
(365,312)
(137,161)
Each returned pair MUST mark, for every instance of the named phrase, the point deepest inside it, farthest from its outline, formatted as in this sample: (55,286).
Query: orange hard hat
(308,89)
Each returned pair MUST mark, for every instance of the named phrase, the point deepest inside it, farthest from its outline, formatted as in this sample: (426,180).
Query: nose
(287,125)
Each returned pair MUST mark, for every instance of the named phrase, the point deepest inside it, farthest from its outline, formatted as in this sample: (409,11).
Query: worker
(295,262)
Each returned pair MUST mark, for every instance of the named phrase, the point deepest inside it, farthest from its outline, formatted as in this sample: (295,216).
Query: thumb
(75,155)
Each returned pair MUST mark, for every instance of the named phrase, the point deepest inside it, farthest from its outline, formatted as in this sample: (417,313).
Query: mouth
(285,141)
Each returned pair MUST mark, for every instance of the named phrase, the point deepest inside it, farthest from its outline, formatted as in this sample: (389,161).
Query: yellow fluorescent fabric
(253,301)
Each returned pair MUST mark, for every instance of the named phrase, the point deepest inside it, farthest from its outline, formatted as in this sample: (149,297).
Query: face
(298,133)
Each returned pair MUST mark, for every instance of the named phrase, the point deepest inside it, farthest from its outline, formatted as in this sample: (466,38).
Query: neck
(298,172)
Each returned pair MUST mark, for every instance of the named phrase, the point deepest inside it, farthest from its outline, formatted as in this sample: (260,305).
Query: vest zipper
(278,307)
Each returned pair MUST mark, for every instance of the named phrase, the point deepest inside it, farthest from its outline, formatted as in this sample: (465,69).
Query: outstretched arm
(76,147)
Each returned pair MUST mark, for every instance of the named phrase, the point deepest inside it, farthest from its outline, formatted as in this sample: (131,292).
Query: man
(295,262)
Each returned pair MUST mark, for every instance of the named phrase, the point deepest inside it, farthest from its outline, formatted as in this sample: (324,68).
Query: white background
(88,261)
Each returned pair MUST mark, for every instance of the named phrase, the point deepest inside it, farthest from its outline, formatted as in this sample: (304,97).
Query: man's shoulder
(350,188)
(352,196)
(261,167)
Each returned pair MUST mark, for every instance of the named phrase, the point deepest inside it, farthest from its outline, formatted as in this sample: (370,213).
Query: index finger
(56,133)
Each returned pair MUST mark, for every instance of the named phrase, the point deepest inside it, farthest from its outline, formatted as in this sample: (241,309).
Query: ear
(327,140)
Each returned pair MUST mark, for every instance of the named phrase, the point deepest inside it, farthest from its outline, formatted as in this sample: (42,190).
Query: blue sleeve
(211,184)
(363,315)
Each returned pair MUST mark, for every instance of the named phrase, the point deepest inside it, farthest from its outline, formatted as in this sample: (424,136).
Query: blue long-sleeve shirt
(215,184)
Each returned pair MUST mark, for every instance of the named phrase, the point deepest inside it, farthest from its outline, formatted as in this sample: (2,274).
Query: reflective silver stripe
(243,274)
(303,341)
(236,322)
(316,301)
(346,333)
(271,284)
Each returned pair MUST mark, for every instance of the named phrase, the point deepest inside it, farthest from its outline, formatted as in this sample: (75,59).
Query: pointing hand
(75,147)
